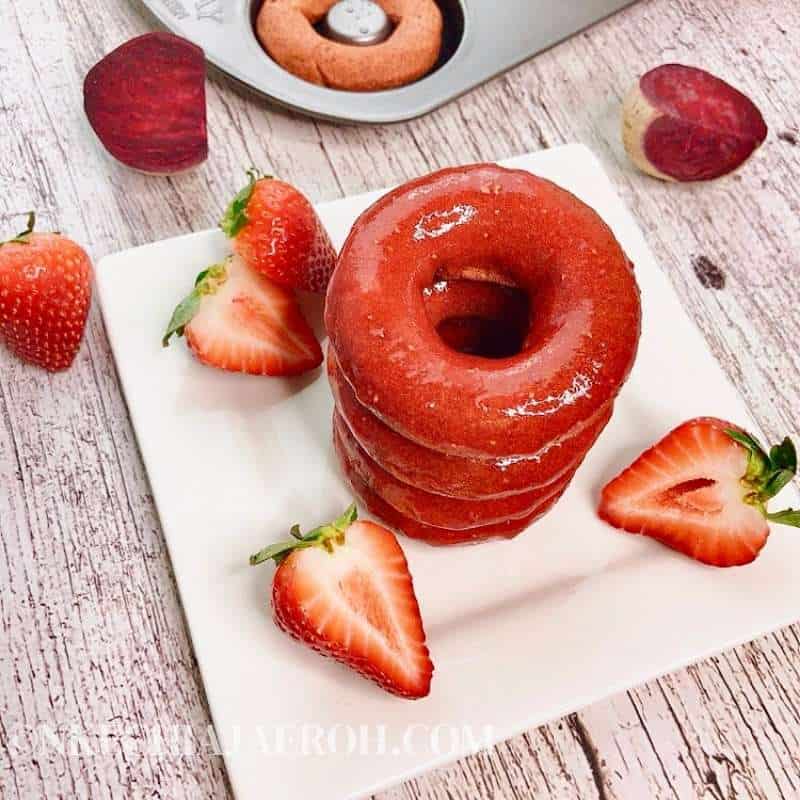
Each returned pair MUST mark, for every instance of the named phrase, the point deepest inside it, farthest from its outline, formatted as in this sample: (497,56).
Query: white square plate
(521,632)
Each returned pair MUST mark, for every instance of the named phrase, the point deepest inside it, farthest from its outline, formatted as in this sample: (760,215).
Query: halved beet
(146,101)
(684,124)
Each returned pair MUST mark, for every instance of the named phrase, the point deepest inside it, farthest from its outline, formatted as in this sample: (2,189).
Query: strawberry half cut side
(703,490)
(345,590)
(236,319)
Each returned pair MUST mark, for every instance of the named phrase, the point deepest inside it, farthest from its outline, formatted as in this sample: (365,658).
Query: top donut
(511,227)
(286,30)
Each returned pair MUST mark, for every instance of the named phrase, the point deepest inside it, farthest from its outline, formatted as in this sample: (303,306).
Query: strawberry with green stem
(767,474)
(45,295)
(704,490)
(277,232)
(344,590)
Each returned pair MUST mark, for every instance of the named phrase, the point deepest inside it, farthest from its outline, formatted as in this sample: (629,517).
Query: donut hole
(480,318)
(477,336)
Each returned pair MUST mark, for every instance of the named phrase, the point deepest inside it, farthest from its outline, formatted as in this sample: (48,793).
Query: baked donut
(584,328)
(432,509)
(441,536)
(286,30)
(456,476)
(448,444)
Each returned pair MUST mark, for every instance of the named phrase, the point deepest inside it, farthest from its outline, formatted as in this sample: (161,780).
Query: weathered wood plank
(93,633)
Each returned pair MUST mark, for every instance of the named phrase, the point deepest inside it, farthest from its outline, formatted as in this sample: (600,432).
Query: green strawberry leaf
(784,456)
(22,236)
(277,552)
(766,474)
(236,214)
(747,441)
(207,282)
(776,482)
(758,461)
(182,316)
(789,516)
(347,519)
(324,536)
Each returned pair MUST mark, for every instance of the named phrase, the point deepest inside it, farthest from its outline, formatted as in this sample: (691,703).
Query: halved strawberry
(238,320)
(703,490)
(278,233)
(345,590)
(45,294)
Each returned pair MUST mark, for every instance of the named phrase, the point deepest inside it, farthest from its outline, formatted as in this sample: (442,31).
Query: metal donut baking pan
(482,39)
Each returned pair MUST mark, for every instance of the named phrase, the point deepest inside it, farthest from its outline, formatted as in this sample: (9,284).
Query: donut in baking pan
(286,30)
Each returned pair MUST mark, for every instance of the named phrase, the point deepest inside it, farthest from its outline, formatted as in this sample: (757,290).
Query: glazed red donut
(432,509)
(584,327)
(442,536)
(456,476)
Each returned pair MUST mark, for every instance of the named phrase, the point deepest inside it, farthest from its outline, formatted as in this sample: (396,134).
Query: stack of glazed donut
(439,440)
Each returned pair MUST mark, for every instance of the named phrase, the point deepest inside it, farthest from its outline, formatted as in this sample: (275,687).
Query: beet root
(683,124)
(146,101)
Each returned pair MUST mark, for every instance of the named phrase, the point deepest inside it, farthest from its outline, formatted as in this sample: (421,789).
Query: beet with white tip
(683,124)
(146,101)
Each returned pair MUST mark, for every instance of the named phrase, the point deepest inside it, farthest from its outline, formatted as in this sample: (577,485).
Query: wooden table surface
(94,646)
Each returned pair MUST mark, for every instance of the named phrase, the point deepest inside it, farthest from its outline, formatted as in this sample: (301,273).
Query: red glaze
(455,476)
(442,536)
(433,509)
(584,330)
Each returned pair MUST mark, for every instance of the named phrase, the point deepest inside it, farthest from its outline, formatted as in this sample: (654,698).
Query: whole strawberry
(45,294)
(277,232)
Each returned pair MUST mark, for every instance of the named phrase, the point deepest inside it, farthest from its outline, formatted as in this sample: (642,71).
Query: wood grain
(93,641)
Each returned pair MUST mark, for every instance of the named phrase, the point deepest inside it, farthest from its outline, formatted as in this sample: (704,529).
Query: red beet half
(146,101)
(684,124)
